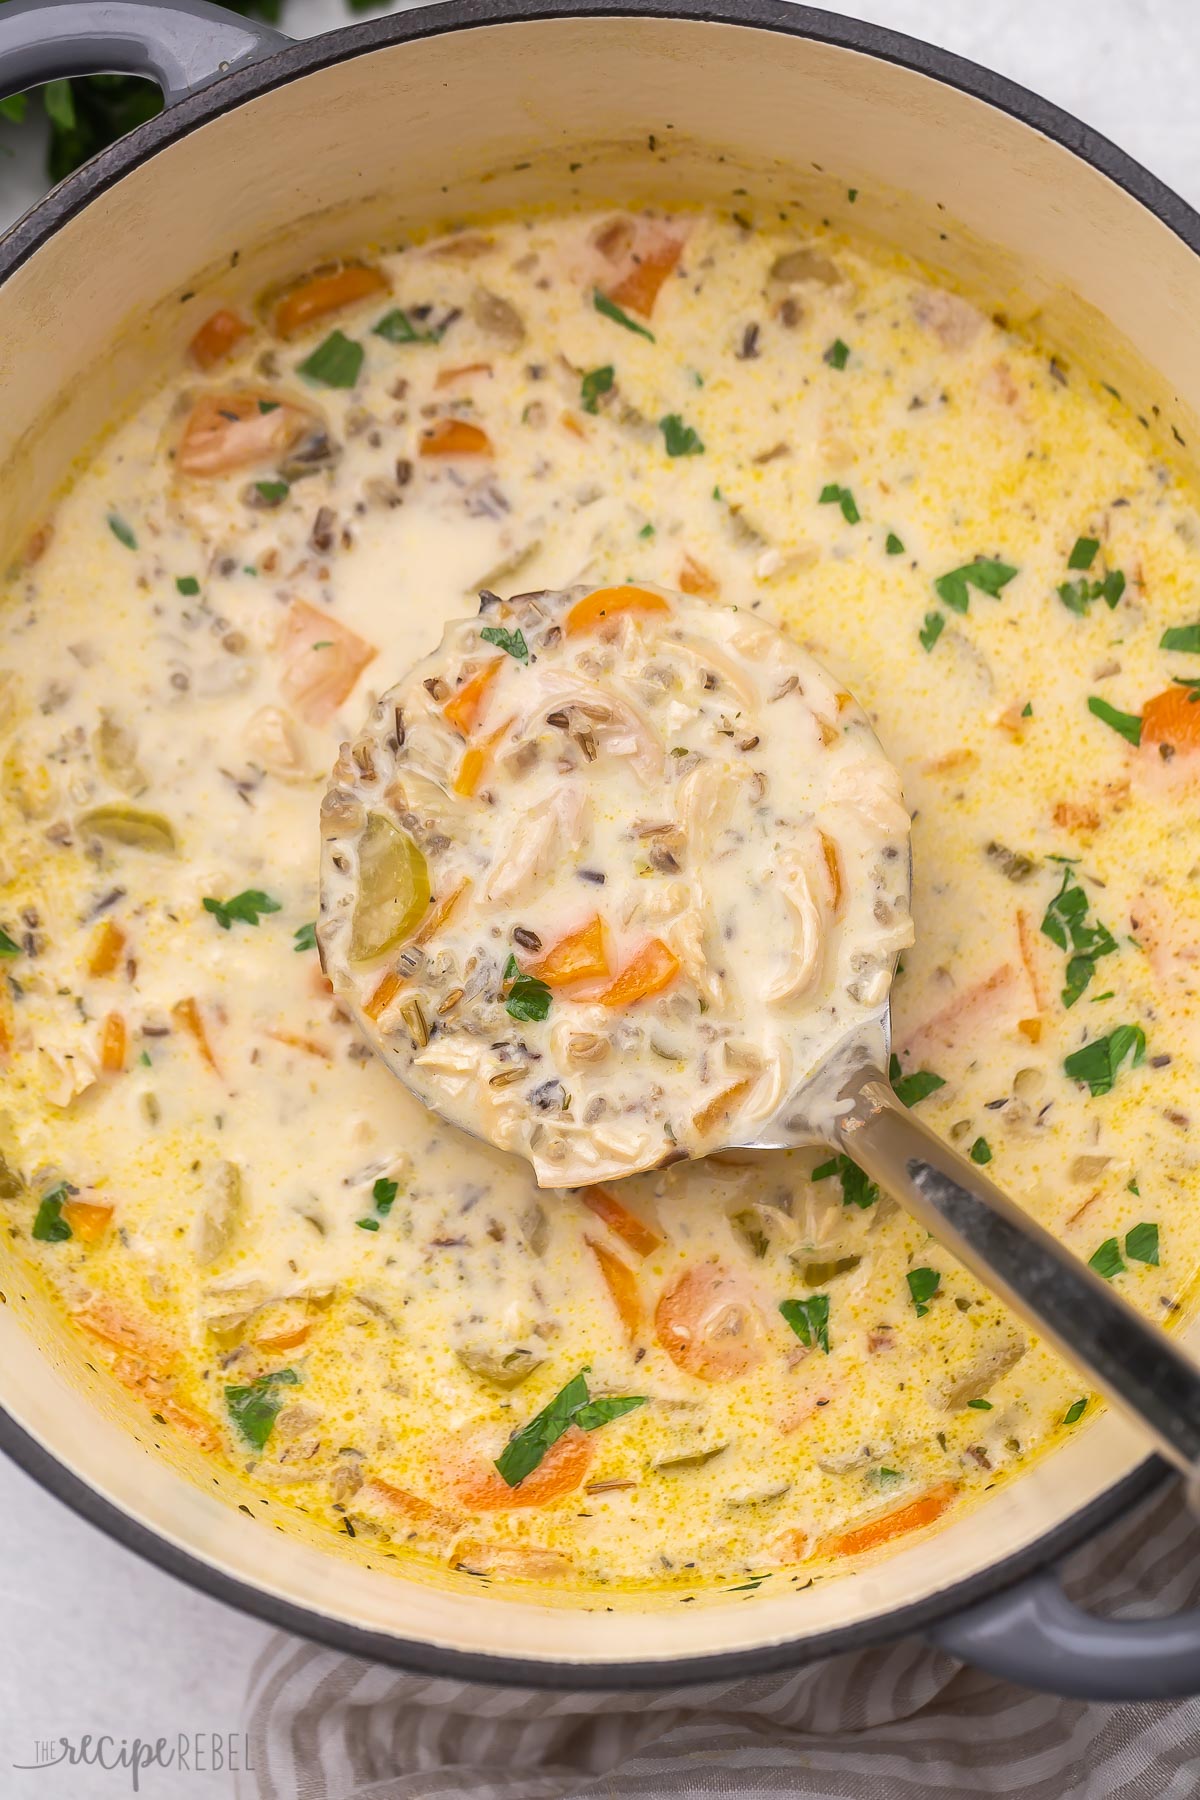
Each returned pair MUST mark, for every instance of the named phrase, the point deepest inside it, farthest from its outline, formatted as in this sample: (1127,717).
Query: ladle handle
(1131,1361)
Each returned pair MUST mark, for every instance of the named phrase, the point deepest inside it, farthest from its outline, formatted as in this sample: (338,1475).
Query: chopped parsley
(49,1226)
(511,642)
(1107,1260)
(1191,683)
(367,1224)
(923,1284)
(1027,710)
(837,354)
(833,495)
(1065,924)
(909,1089)
(981,1151)
(528,998)
(894,545)
(1181,637)
(980,1405)
(1077,596)
(337,363)
(8,947)
(570,1406)
(305,937)
(809,1319)
(679,438)
(1084,553)
(1129,725)
(398,328)
(1099,1063)
(255,1407)
(383,1194)
(856,1189)
(985,574)
(272,493)
(246,907)
(932,629)
(188,586)
(121,531)
(1141,1244)
(647,531)
(595,383)
(612,311)
(1074,1412)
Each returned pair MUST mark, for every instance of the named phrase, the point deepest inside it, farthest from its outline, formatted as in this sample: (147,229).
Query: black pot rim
(23,241)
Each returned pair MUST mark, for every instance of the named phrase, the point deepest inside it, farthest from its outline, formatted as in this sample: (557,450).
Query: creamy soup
(671,864)
(710,1374)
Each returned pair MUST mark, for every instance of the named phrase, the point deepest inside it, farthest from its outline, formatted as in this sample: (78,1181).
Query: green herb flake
(1027,710)
(1132,1187)
(13,108)
(595,383)
(1084,553)
(8,946)
(837,355)
(931,631)
(305,937)
(923,1284)
(809,1319)
(144,1059)
(985,574)
(894,546)
(1065,924)
(1128,725)
(1141,1244)
(49,1226)
(255,1407)
(1077,596)
(1074,1412)
(367,1224)
(833,495)
(980,1151)
(856,1189)
(909,1089)
(887,1477)
(337,363)
(980,1405)
(528,999)
(612,311)
(397,328)
(570,1406)
(647,531)
(268,406)
(1181,637)
(246,907)
(1099,1063)
(1107,1260)
(121,531)
(272,493)
(384,1193)
(511,642)
(188,586)
(679,438)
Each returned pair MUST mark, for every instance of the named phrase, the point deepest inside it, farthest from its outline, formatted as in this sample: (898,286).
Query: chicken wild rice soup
(665,844)
(715,1373)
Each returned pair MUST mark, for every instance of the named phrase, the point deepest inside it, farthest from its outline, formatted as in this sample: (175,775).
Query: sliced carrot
(384,994)
(216,338)
(654,252)
(466,703)
(104,951)
(285,1340)
(326,293)
(985,1007)
(447,377)
(127,1332)
(620,1221)
(790,1547)
(410,1506)
(475,762)
(442,909)
(720,1106)
(603,603)
(648,971)
(580,956)
(833,867)
(224,432)
(322,660)
(193,1424)
(708,1323)
(455,437)
(694,578)
(113,1042)
(570,422)
(481,1488)
(186,1014)
(622,1284)
(910,1517)
(1031,1029)
(88,1220)
(1172,718)
(295,1041)
(1028,941)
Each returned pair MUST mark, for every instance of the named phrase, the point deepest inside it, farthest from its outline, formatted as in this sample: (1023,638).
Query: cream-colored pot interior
(489,117)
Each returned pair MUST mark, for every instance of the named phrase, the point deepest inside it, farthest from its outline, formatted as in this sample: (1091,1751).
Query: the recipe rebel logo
(185,1753)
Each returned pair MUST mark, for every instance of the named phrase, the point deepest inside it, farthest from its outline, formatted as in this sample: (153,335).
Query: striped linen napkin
(899,1723)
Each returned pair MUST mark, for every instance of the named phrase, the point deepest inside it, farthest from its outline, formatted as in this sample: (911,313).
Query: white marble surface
(92,1639)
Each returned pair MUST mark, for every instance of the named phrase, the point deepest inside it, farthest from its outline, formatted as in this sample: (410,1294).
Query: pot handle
(1035,1636)
(181,44)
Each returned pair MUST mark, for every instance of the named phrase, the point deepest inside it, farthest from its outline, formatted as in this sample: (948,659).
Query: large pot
(481,104)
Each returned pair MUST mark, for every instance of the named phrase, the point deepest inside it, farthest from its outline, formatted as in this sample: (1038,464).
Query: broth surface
(275,1246)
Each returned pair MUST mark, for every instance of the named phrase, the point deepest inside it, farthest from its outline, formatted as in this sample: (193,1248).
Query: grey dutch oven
(267,146)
